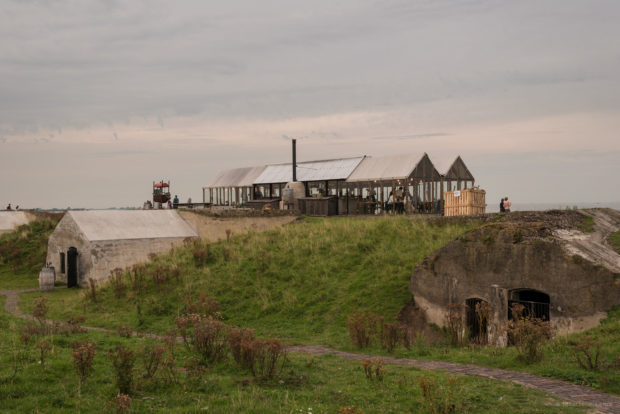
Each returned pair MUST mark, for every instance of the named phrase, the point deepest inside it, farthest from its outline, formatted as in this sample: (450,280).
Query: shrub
(137,279)
(587,352)
(391,334)
(124,331)
(90,294)
(74,324)
(483,311)
(152,357)
(237,339)
(263,357)
(454,324)
(349,409)
(204,305)
(120,404)
(206,335)
(373,368)
(40,309)
(361,327)
(123,360)
(83,356)
(44,347)
(528,334)
(118,283)
(440,398)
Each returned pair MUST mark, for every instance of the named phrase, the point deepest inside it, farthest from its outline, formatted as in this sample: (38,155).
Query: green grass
(614,240)
(317,384)
(23,252)
(587,225)
(299,282)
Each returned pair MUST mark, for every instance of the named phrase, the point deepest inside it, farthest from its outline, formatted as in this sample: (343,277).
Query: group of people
(174,203)
(504,205)
(11,208)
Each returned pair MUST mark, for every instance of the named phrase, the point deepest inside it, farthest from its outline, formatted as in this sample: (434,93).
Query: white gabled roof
(237,177)
(131,224)
(396,167)
(9,220)
(338,169)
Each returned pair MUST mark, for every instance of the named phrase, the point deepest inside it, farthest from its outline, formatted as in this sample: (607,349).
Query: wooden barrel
(47,277)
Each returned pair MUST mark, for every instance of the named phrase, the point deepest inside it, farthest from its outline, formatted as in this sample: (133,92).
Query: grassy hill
(298,282)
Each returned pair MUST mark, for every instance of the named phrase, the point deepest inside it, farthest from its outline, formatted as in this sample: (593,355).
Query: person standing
(502,209)
(175,201)
(507,205)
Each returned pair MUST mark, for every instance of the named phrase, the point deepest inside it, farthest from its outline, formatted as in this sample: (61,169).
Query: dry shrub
(40,309)
(74,324)
(123,360)
(483,312)
(228,234)
(373,368)
(161,275)
(454,324)
(137,276)
(120,404)
(203,253)
(391,335)
(83,356)
(362,327)
(124,331)
(440,398)
(118,283)
(204,305)
(263,357)
(349,409)
(44,347)
(169,370)
(194,368)
(528,334)
(90,294)
(152,357)
(587,352)
(206,335)
(238,338)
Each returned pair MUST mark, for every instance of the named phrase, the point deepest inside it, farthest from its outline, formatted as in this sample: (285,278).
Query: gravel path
(604,403)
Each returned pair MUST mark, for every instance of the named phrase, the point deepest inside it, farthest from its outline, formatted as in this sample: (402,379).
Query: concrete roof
(237,177)
(338,169)
(396,167)
(131,224)
(9,220)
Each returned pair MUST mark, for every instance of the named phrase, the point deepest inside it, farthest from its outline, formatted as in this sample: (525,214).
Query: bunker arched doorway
(535,303)
(478,312)
(72,267)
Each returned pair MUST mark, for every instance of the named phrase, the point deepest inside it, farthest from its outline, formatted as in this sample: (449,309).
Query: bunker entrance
(535,303)
(477,318)
(72,268)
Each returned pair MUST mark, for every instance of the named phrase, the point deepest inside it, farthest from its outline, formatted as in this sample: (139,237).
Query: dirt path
(604,403)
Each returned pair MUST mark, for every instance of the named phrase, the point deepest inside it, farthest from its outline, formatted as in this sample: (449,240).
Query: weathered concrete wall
(214,228)
(67,234)
(10,220)
(490,261)
(107,255)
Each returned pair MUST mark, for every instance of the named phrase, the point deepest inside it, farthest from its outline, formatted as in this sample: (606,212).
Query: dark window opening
(478,313)
(535,303)
(62,262)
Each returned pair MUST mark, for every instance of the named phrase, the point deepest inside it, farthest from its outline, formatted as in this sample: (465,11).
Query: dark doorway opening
(478,313)
(62,263)
(72,269)
(535,303)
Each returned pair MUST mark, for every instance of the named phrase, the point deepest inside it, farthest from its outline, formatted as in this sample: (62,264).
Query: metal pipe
(294,160)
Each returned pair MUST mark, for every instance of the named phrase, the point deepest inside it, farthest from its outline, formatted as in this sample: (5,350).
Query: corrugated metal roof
(131,224)
(338,169)
(394,167)
(237,177)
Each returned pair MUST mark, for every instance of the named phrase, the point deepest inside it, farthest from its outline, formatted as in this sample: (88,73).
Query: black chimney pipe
(294,160)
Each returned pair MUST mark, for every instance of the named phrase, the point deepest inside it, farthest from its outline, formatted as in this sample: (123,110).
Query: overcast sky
(100,98)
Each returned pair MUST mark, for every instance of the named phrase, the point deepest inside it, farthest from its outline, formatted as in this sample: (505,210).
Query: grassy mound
(23,251)
(298,282)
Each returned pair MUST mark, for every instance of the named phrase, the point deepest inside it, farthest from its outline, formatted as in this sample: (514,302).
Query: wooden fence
(464,202)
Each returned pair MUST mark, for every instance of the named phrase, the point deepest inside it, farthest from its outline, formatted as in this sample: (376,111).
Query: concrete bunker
(525,261)
(90,244)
